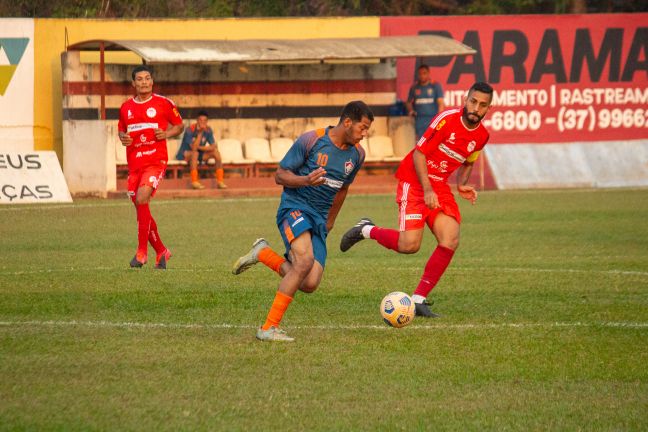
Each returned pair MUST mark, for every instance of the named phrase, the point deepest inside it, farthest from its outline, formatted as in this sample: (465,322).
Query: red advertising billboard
(558,78)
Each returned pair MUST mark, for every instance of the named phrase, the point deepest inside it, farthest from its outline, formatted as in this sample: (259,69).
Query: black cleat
(354,235)
(138,261)
(423,310)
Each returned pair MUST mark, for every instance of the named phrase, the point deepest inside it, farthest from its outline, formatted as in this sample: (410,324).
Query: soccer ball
(397,309)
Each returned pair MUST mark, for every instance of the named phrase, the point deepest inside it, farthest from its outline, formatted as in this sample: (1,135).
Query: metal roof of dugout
(281,50)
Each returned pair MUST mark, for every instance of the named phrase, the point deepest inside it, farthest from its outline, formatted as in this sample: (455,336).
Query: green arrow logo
(11,51)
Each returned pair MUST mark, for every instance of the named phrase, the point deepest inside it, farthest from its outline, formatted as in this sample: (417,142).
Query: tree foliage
(302,8)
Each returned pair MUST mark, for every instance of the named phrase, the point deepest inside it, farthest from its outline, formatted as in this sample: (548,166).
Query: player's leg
(302,261)
(314,277)
(263,253)
(411,221)
(141,200)
(191,156)
(446,231)
(219,172)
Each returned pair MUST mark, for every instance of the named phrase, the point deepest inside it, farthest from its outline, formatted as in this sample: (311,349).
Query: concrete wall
(591,164)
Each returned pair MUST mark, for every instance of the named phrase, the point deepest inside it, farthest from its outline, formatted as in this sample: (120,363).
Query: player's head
(356,119)
(202,119)
(478,102)
(142,79)
(423,73)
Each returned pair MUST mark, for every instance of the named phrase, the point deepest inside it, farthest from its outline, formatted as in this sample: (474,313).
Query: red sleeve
(173,115)
(121,125)
(431,138)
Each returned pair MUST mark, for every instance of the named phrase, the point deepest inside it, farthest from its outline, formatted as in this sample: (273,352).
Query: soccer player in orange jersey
(452,142)
(146,121)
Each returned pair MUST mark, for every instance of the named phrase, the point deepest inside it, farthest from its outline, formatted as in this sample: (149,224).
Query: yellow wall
(49,36)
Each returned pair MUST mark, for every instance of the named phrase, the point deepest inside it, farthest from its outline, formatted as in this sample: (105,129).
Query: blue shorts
(295,224)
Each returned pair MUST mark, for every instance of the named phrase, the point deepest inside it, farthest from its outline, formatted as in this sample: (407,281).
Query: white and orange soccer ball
(397,309)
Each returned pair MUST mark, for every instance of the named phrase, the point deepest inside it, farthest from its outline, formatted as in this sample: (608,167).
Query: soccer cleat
(221,185)
(354,235)
(423,310)
(162,259)
(197,185)
(273,334)
(251,258)
(138,260)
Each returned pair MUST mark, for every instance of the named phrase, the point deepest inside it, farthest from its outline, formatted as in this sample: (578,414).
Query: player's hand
(431,199)
(468,193)
(412,113)
(125,139)
(316,178)
(160,134)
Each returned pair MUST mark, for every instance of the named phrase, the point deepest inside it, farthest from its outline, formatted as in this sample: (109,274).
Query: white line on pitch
(467,326)
(462,269)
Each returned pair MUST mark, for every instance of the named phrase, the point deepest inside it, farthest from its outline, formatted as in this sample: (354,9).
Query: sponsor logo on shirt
(441,167)
(435,177)
(451,140)
(348,167)
(453,154)
(151,112)
(140,126)
(130,114)
(441,124)
(335,184)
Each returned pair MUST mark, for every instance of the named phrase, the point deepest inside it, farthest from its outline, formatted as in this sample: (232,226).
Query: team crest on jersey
(130,114)
(429,92)
(441,124)
(471,146)
(151,112)
(348,167)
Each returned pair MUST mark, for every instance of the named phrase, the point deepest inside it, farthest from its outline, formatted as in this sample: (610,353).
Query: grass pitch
(545,321)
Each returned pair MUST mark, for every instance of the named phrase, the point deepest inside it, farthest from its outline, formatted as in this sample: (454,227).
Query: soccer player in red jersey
(452,142)
(144,122)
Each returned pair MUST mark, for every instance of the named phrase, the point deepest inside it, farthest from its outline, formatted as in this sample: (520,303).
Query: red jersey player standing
(144,122)
(452,142)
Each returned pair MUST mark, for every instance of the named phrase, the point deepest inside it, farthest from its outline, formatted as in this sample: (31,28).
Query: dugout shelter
(265,89)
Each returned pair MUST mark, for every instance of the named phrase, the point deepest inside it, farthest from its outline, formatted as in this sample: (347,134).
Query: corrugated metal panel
(194,51)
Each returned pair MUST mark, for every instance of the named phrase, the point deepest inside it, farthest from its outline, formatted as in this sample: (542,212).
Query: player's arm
(173,131)
(440,101)
(336,206)
(125,139)
(289,179)
(409,104)
(196,141)
(463,175)
(420,166)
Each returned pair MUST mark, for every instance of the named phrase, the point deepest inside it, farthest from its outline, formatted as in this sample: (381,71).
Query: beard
(470,117)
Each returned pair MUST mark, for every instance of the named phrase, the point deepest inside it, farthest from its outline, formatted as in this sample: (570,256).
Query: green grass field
(545,321)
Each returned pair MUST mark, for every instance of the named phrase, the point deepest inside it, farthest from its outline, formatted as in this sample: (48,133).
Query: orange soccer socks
(279,307)
(220,175)
(271,259)
(194,175)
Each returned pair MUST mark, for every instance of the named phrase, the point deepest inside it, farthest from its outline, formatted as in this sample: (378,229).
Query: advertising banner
(32,177)
(558,78)
(17,84)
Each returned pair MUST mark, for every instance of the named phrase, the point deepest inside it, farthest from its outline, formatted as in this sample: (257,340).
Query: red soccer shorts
(147,176)
(414,214)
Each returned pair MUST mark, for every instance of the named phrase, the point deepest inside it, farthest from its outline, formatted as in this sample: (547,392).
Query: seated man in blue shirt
(425,100)
(198,145)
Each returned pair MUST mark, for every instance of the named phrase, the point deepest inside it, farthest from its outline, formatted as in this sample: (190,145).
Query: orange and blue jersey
(190,135)
(310,151)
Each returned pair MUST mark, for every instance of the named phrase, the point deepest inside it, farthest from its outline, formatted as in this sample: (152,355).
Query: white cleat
(273,334)
(251,258)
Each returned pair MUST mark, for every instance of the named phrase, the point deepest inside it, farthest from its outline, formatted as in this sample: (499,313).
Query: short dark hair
(355,110)
(141,68)
(202,113)
(423,66)
(482,87)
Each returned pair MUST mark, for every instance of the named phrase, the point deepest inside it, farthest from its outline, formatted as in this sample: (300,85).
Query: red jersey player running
(452,142)
(144,128)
